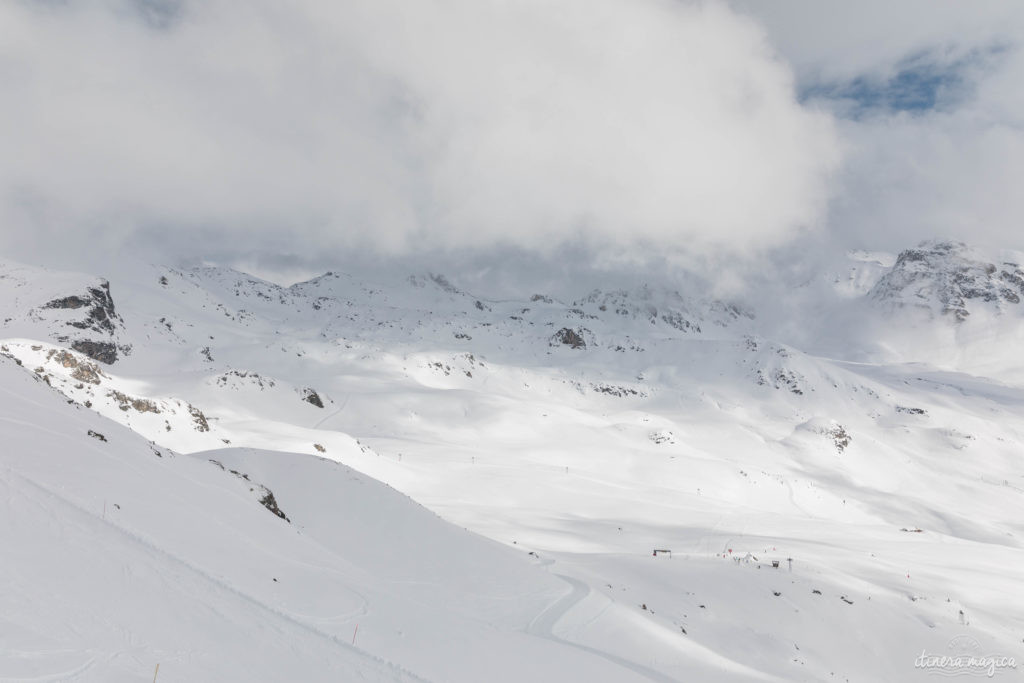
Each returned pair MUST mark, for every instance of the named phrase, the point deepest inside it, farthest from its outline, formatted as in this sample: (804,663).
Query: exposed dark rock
(63,357)
(676,320)
(251,378)
(97,315)
(944,276)
(96,435)
(68,302)
(442,282)
(780,379)
(578,312)
(661,437)
(839,437)
(614,390)
(104,352)
(87,372)
(911,411)
(197,416)
(125,402)
(101,316)
(787,379)
(6,353)
(570,338)
(311,397)
(83,371)
(268,501)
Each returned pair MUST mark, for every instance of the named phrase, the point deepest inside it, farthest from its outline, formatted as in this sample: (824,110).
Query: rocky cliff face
(100,315)
(97,315)
(74,310)
(94,314)
(949,278)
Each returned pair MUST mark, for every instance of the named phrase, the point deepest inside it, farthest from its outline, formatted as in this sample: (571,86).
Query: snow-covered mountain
(943,278)
(835,504)
(942,303)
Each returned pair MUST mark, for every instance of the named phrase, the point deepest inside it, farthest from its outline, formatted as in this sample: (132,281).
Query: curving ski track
(543,624)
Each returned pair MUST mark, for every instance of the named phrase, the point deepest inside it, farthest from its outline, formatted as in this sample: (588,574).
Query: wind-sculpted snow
(829,516)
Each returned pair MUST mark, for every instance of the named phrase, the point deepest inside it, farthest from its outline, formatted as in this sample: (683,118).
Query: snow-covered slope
(121,555)
(880,465)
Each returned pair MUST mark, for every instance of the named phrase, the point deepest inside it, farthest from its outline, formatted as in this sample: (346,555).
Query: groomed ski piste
(343,480)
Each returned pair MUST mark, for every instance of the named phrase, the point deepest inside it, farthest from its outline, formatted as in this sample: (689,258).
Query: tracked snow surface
(209,477)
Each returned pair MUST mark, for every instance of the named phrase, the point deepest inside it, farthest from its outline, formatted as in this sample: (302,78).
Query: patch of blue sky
(920,84)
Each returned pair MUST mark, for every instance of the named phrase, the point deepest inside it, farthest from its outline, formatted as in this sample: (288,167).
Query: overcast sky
(295,135)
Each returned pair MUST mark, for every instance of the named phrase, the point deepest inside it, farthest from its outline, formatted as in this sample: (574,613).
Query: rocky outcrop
(840,437)
(311,397)
(104,352)
(266,496)
(100,316)
(126,402)
(244,378)
(83,371)
(268,501)
(948,279)
(91,311)
(201,424)
(569,337)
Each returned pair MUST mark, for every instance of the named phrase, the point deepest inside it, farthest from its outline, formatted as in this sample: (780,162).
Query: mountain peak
(950,278)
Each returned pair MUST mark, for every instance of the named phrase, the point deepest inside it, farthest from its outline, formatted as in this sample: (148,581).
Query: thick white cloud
(830,39)
(310,127)
(949,171)
(951,175)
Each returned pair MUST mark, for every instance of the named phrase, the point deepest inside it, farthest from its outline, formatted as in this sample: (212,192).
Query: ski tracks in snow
(543,625)
(396,671)
(333,413)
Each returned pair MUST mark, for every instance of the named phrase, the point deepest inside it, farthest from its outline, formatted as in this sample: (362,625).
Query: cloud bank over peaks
(929,107)
(313,128)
